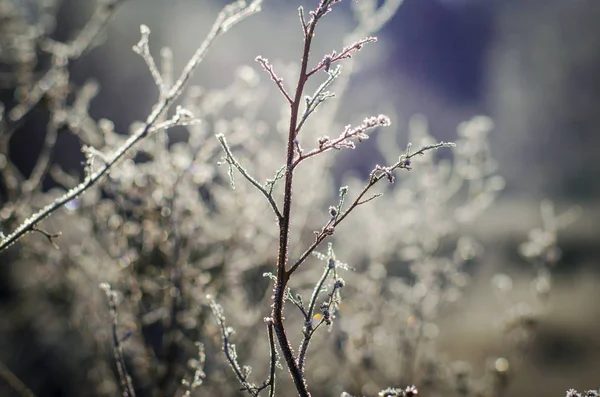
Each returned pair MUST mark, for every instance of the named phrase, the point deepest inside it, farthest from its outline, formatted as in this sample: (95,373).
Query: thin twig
(346,138)
(269,68)
(128,390)
(273,350)
(49,236)
(326,319)
(346,53)
(270,183)
(319,96)
(373,197)
(308,328)
(328,307)
(229,349)
(232,161)
(14,382)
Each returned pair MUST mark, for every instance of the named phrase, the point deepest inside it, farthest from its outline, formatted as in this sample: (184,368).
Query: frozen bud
(333,211)
(183,114)
(322,141)
(383,120)
(144,30)
(327,62)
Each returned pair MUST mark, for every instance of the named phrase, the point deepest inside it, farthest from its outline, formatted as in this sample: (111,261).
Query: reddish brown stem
(284,225)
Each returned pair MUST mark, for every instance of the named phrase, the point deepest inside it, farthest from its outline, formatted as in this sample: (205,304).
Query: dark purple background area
(444,46)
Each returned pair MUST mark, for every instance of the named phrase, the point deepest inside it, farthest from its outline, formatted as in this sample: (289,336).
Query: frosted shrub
(235,226)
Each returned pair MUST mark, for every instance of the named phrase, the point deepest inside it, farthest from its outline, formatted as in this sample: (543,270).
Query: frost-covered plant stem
(283,273)
(124,378)
(284,221)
